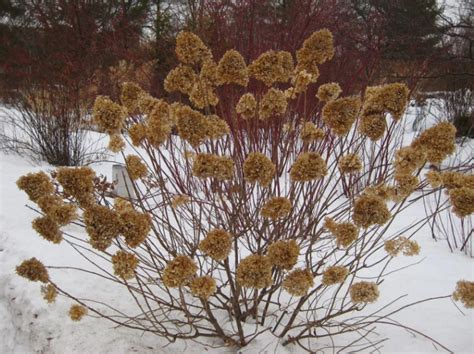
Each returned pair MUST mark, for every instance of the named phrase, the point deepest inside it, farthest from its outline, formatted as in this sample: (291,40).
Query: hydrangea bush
(266,218)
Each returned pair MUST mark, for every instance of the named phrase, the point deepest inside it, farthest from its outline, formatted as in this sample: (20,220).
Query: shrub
(232,258)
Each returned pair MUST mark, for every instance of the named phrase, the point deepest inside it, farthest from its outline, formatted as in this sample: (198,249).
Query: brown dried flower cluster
(192,125)
(349,163)
(135,167)
(116,143)
(129,97)
(391,98)
(310,133)
(272,103)
(364,292)
(35,185)
(276,208)
(77,182)
(102,226)
(298,282)
(307,167)
(405,185)
(329,92)
(232,69)
(284,254)
(59,212)
(48,229)
(401,244)
(137,133)
(462,200)
(465,293)
(335,275)
(271,67)
(247,106)
(301,81)
(434,178)
(180,79)
(180,200)
(217,244)
(213,166)
(370,210)
(203,287)
(452,179)
(316,49)
(208,73)
(124,264)
(373,126)
(203,95)
(254,271)
(158,126)
(190,49)
(32,269)
(409,160)
(344,232)
(134,226)
(216,127)
(259,168)
(76,312)
(49,293)
(438,142)
(108,115)
(179,271)
(340,114)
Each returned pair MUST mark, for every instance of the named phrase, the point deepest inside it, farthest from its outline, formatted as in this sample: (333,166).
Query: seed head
(401,244)
(102,226)
(247,106)
(108,116)
(217,244)
(76,312)
(254,271)
(438,142)
(334,275)
(49,293)
(276,208)
(465,293)
(35,185)
(203,287)
(32,269)
(329,92)
(48,229)
(307,167)
(370,210)
(179,271)
(350,163)
(298,282)
(364,292)
(190,49)
(259,168)
(135,167)
(284,254)
(180,79)
(310,133)
(462,200)
(213,166)
(272,103)
(373,126)
(232,69)
(391,98)
(124,264)
(340,114)
(134,226)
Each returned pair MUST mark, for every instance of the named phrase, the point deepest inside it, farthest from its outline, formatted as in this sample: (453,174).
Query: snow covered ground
(29,325)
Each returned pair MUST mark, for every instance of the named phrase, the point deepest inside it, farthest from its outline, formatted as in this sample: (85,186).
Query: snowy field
(30,325)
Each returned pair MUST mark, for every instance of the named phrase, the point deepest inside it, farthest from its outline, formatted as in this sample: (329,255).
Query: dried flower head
(77,182)
(267,68)
(254,271)
(462,200)
(102,226)
(48,229)
(276,208)
(124,264)
(108,115)
(135,167)
(216,127)
(192,125)
(122,205)
(307,167)
(202,95)
(147,103)
(316,49)
(137,133)
(32,269)
(232,69)
(130,96)
(349,163)
(310,133)
(434,178)
(286,64)
(373,126)
(209,165)
(134,226)
(49,293)
(284,254)
(301,81)
(345,232)
(329,92)
(401,244)
(179,271)
(465,293)
(247,106)
(259,168)
(272,103)
(334,275)
(380,190)
(298,282)
(405,184)
(76,312)
(364,292)
(409,159)
(203,287)
(180,200)
(158,126)
(116,143)
(452,179)
(370,210)
(438,142)
(190,49)
(392,98)
(35,185)
(208,73)
(217,244)
(180,79)
(340,114)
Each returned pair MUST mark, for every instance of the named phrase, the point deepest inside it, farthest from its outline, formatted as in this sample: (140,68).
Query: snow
(29,325)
